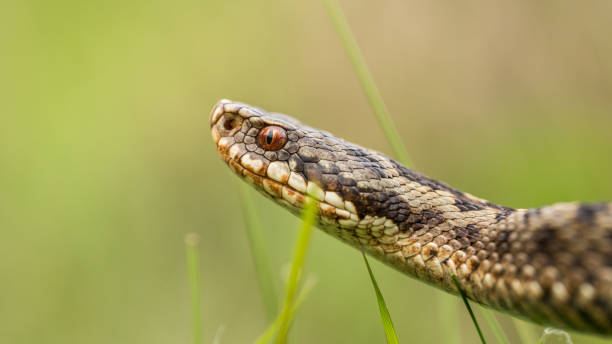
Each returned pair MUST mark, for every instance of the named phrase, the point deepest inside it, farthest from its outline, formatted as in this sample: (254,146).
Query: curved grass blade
(192,242)
(382,306)
(367,82)
(299,300)
(555,336)
(309,213)
(382,115)
(467,305)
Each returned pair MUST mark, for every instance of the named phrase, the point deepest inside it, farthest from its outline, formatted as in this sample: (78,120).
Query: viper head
(363,196)
(283,158)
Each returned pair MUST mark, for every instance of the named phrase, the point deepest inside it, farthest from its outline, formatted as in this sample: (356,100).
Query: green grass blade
(494,325)
(259,251)
(269,333)
(382,306)
(308,219)
(384,120)
(192,242)
(272,329)
(367,82)
(467,305)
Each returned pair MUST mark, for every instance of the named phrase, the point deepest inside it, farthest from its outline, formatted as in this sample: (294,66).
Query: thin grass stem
(367,81)
(379,108)
(257,243)
(273,328)
(192,242)
(382,306)
(467,305)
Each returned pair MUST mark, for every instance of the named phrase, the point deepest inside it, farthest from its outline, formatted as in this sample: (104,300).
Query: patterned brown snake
(552,265)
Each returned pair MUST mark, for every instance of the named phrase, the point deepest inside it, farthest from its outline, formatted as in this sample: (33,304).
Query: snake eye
(272,138)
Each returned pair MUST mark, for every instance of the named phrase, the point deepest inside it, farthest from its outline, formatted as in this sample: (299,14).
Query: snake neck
(552,265)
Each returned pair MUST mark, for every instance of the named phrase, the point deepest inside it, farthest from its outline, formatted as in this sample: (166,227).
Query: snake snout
(217,111)
(223,123)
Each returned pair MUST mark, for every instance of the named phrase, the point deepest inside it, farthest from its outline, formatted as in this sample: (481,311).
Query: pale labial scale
(278,171)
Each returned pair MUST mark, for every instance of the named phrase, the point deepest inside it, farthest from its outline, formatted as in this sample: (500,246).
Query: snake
(551,265)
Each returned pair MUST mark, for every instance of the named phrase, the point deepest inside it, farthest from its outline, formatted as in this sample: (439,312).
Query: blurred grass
(106,159)
(303,294)
(259,251)
(193,267)
(367,81)
(309,215)
(446,305)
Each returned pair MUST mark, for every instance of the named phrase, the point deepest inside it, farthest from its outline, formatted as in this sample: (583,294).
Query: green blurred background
(106,160)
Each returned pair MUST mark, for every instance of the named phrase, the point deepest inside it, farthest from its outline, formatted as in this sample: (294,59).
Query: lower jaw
(284,193)
(279,192)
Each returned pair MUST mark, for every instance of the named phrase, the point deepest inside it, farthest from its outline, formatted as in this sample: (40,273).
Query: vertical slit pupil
(270,137)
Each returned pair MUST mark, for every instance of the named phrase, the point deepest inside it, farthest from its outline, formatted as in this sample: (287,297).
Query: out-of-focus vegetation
(106,160)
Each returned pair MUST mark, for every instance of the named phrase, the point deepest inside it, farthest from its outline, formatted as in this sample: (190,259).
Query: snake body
(551,265)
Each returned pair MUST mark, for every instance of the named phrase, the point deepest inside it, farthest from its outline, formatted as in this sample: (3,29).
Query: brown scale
(552,265)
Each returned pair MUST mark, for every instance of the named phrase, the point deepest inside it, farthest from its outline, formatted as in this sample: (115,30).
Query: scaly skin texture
(552,265)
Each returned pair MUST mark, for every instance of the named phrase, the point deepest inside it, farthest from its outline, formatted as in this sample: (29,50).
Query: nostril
(230,124)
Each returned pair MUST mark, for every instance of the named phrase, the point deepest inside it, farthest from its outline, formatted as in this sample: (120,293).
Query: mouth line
(258,179)
(293,198)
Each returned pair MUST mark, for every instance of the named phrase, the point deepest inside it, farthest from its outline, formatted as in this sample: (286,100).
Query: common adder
(552,264)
